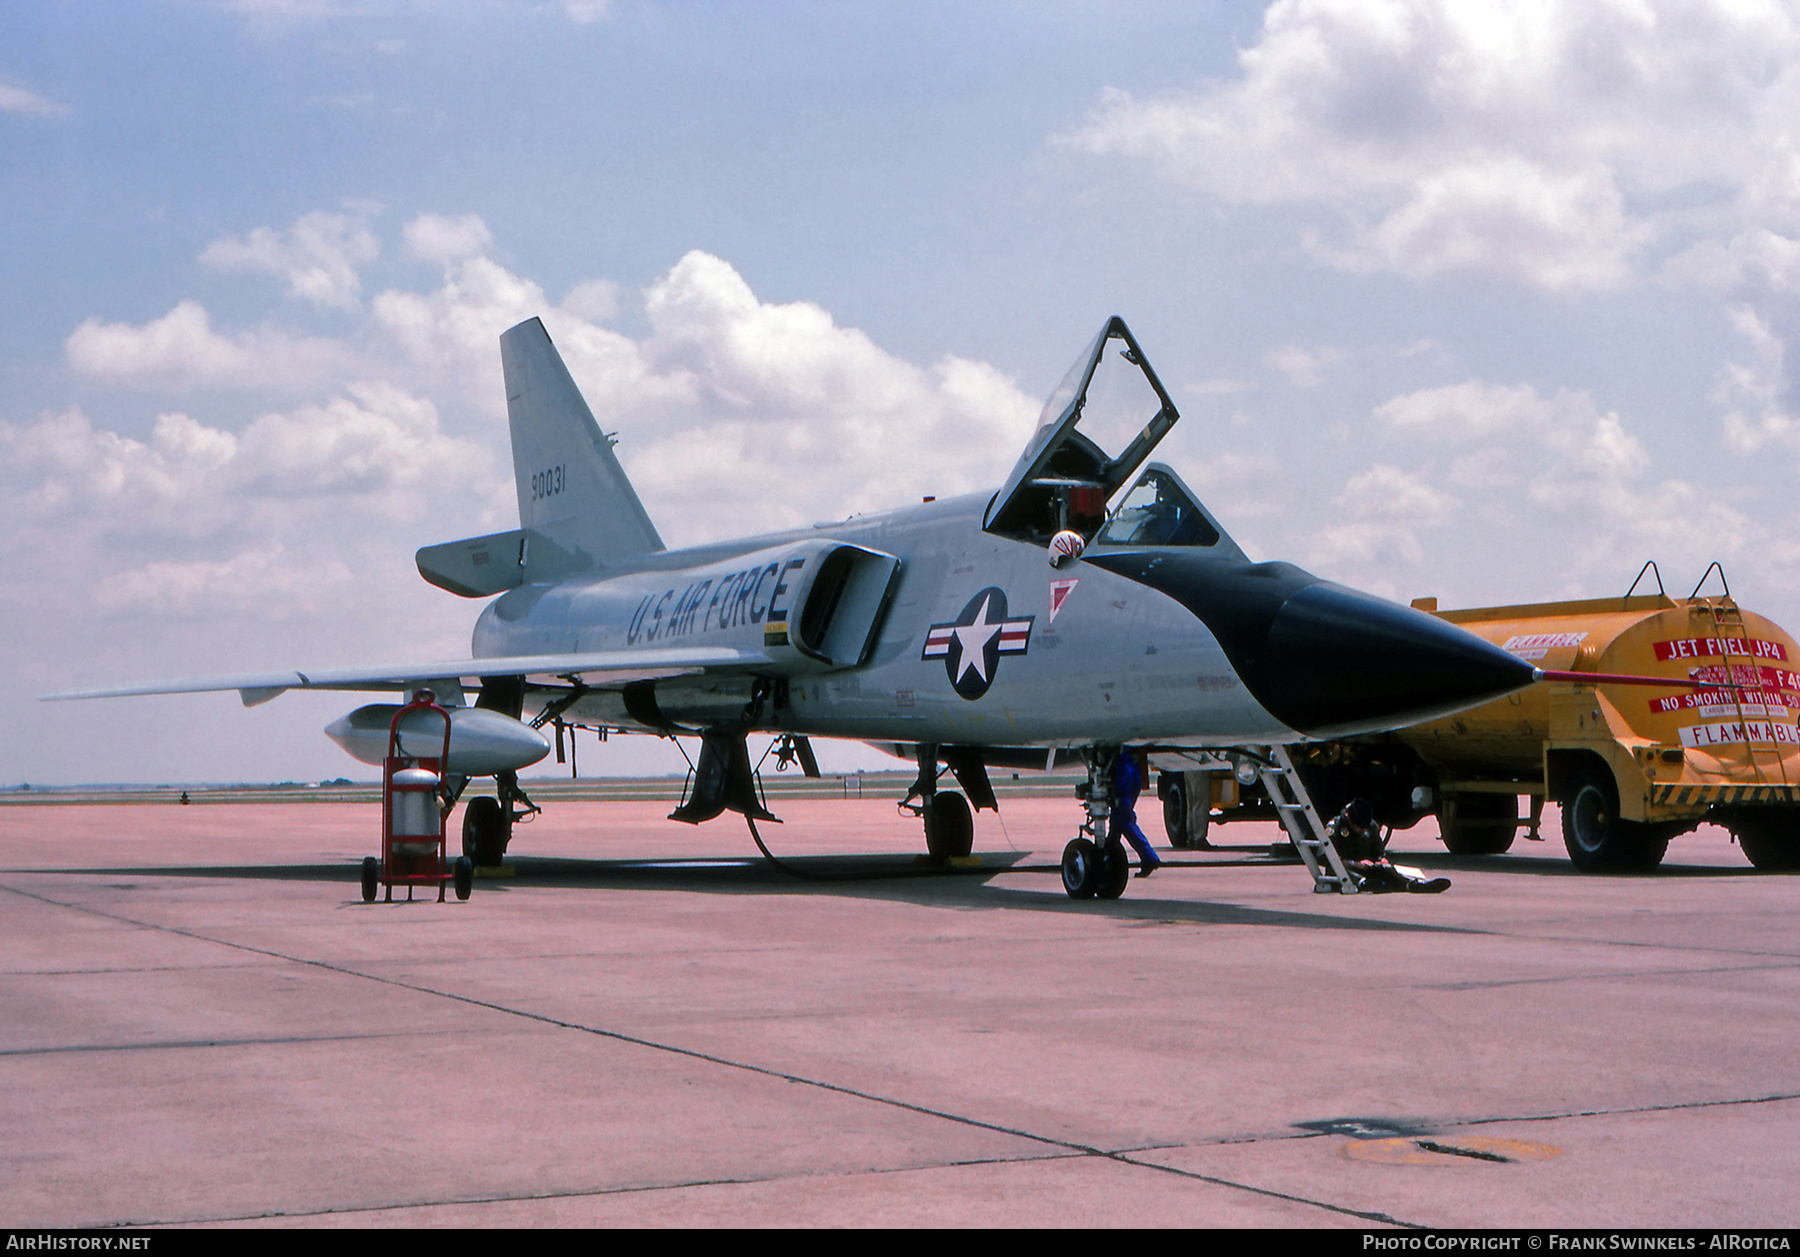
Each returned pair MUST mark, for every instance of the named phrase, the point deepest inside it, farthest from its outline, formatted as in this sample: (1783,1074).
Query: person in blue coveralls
(1128,782)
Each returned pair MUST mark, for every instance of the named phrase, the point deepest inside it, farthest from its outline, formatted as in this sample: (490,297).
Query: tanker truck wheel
(1480,824)
(1185,825)
(1596,838)
(1770,839)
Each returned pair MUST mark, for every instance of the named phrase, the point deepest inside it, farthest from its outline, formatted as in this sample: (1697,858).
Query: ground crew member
(1355,834)
(1128,781)
(1362,846)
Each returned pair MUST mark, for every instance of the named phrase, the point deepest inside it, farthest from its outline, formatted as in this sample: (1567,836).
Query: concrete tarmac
(202,1023)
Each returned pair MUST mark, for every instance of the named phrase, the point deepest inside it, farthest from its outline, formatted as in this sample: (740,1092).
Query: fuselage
(980,641)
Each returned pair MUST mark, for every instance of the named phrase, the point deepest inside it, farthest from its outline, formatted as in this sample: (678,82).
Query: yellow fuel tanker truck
(1631,766)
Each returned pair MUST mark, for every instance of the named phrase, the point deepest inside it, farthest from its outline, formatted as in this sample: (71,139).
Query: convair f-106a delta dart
(1092,607)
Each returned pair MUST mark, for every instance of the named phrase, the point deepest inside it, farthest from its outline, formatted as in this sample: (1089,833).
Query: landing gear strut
(1093,865)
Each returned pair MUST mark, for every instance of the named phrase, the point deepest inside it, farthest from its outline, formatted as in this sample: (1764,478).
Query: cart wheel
(463,874)
(371,877)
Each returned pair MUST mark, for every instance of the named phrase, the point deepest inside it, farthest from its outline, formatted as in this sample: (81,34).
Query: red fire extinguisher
(414,851)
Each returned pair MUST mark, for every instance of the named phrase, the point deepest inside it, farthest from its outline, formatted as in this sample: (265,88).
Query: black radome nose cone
(1338,662)
(1325,660)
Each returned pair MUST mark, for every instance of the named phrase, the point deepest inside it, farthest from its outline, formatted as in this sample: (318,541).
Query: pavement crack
(578,1193)
(184,1044)
(1626,1111)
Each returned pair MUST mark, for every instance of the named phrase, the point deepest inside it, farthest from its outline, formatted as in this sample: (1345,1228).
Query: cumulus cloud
(25,103)
(724,397)
(181,351)
(593,300)
(197,517)
(264,510)
(1571,147)
(318,257)
(734,415)
(750,395)
(1304,366)
(1484,480)
(1565,452)
(265,582)
(727,395)
(1757,274)
(585,11)
(283,528)
(1307,366)
(1505,218)
(1535,143)
(1381,512)
(451,335)
(379,446)
(443,239)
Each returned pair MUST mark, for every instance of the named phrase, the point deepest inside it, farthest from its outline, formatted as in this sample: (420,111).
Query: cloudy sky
(1486,302)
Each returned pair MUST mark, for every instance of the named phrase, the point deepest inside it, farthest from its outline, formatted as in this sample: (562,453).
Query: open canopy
(1109,400)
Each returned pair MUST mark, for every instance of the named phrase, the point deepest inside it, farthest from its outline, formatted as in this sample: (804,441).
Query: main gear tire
(1597,839)
(485,832)
(371,878)
(1479,824)
(949,826)
(1081,869)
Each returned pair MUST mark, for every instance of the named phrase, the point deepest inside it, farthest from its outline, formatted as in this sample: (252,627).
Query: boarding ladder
(1304,826)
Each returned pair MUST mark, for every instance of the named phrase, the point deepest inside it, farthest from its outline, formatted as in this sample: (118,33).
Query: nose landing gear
(1095,865)
(1090,871)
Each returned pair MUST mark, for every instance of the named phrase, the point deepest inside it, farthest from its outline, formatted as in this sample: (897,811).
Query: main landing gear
(1093,865)
(488,823)
(949,817)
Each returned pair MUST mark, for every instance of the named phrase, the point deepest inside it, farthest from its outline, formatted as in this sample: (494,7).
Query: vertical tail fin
(571,487)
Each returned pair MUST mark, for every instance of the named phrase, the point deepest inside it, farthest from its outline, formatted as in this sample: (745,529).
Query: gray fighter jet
(1089,606)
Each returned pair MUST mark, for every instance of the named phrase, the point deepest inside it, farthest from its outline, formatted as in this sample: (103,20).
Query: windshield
(1158,512)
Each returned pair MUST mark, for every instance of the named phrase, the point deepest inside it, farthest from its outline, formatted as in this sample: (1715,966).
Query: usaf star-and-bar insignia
(972,644)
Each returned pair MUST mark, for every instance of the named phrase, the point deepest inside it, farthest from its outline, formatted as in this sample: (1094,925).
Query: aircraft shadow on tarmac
(885,877)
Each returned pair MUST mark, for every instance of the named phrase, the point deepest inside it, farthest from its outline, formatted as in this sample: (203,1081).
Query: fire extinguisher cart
(414,851)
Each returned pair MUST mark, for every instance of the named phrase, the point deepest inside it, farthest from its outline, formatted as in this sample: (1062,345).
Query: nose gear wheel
(1081,869)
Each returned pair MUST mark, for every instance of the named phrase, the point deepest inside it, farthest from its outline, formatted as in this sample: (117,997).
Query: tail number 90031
(547,483)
